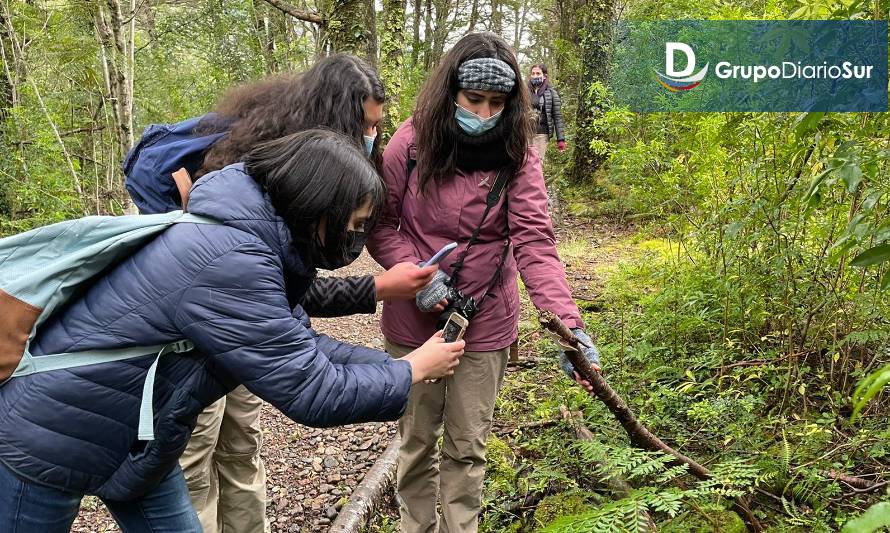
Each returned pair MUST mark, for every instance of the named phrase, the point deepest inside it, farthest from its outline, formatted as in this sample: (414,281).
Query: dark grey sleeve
(332,296)
(558,124)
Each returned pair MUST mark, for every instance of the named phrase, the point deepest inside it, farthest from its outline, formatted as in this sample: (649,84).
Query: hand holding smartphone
(440,255)
(453,331)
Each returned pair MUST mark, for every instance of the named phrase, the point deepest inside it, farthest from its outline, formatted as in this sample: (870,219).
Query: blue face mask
(369,143)
(473,124)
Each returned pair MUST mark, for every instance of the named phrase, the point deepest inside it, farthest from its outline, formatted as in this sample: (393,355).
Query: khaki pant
(540,141)
(222,466)
(464,404)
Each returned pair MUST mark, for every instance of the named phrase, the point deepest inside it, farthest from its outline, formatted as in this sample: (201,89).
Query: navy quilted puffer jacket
(221,286)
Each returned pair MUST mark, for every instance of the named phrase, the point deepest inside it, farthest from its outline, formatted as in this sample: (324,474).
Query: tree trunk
(427,33)
(440,33)
(474,16)
(415,44)
(516,29)
(371,26)
(595,32)
(124,81)
(116,40)
(346,27)
(7,84)
(391,59)
(262,26)
(497,17)
(567,31)
(8,99)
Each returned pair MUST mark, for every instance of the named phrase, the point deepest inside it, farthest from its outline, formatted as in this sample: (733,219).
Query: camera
(458,303)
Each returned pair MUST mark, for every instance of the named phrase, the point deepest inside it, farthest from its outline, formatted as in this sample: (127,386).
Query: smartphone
(455,328)
(440,255)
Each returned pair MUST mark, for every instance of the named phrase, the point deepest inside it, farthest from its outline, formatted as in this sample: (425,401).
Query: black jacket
(550,105)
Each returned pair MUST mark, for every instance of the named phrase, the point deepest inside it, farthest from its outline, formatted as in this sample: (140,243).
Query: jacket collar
(235,199)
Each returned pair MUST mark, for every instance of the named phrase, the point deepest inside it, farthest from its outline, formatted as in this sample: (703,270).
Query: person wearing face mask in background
(547,109)
(222,463)
(460,170)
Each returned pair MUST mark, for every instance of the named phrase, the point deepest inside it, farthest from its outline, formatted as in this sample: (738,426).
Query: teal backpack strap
(146,430)
(45,363)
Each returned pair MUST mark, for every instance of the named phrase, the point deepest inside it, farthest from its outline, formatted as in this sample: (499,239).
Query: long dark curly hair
(434,124)
(329,95)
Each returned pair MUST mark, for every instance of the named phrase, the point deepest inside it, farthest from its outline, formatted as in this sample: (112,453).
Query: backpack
(43,269)
(167,150)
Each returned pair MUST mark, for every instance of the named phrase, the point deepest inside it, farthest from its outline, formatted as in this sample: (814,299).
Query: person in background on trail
(547,110)
(233,289)
(469,135)
(222,464)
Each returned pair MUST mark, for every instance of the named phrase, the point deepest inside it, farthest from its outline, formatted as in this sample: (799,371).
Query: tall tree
(347,27)
(265,36)
(117,42)
(7,101)
(474,16)
(392,57)
(415,44)
(596,19)
(440,31)
(497,16)
(371,28)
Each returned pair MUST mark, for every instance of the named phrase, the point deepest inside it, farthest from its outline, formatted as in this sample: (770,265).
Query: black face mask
(327,259)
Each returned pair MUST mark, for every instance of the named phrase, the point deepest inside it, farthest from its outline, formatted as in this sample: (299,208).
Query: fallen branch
(859,484)
(639,435)
(364,499)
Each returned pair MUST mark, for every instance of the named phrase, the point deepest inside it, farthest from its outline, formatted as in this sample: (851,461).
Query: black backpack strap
(494,195)
(410,165)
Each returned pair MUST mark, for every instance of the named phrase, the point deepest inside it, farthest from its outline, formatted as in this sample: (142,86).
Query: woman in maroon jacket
(469,134)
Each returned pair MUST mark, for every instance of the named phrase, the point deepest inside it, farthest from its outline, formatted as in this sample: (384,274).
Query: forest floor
(311,472)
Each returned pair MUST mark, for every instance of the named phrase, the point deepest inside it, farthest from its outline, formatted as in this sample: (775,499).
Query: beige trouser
(540,141)
(464,402)
(222,466)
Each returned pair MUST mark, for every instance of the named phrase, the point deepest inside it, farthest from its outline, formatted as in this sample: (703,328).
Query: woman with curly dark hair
(342,93)
(475,182)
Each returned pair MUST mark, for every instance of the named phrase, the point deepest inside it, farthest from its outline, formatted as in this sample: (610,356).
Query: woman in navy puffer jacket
(295,203)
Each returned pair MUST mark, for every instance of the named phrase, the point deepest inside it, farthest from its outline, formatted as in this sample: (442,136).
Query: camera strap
(494,195)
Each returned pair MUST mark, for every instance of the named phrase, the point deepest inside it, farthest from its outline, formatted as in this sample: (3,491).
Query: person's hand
(403,281)
(561,145)
(432,298)
(435,359)
(590,353)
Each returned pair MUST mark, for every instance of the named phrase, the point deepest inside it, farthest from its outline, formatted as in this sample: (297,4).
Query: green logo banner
(751,65)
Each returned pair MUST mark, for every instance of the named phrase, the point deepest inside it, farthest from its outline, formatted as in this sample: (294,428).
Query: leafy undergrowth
(653,318)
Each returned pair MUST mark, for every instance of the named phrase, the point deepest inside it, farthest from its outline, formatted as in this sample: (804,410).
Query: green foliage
(562,504)
(868,389)
(875,518)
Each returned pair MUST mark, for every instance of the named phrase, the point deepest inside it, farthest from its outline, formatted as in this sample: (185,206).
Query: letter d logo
(669,50)
(680,80)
